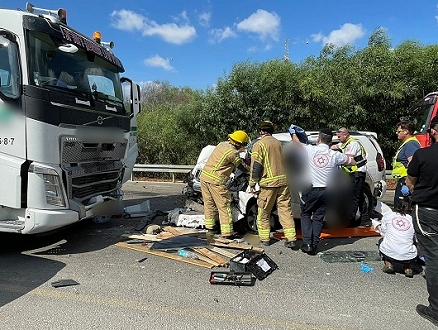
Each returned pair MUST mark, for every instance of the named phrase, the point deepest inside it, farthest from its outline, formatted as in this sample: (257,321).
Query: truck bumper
(41,221)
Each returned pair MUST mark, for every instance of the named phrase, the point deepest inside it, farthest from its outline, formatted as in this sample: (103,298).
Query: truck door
(131,96)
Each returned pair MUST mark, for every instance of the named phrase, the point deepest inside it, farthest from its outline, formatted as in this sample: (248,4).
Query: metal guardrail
(157,168)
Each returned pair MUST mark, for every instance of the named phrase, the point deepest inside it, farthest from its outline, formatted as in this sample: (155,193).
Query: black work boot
(265,243)
(306,248)
(425,312)
(289,244)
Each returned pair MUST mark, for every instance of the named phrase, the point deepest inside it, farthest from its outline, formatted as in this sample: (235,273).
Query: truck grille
(92,168)
(76,151)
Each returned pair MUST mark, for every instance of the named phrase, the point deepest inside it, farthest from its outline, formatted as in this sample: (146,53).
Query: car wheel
(249,222)
(251,216)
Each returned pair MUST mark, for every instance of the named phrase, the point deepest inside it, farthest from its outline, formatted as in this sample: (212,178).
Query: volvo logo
(99,120)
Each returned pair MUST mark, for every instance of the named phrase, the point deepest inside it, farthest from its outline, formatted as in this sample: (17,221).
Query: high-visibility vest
(352,168)
(398,169)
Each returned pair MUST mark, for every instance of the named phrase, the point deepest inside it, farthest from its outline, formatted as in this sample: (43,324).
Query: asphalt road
(116,291)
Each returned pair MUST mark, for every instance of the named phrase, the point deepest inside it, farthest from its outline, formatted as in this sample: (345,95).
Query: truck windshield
(9,68)
(52,64)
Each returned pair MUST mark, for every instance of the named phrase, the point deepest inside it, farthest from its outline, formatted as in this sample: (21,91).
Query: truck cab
(67,123)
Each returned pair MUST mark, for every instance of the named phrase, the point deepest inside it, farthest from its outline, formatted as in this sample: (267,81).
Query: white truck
(67,123)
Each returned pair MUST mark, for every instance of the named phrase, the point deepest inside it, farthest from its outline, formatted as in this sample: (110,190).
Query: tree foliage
(366,89)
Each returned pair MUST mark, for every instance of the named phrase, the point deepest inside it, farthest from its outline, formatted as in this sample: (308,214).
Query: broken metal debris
(215,254)
(66,282)
(349,256)
(147,219)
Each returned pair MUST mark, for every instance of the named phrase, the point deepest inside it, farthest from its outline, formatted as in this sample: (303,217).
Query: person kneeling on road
(398,246)
(214,176)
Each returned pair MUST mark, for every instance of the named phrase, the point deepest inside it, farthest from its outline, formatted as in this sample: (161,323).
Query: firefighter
(268,172)
(214,177)
(353,148)
(409,144)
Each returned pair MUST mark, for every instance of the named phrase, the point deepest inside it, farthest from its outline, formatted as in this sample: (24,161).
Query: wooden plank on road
(222,251)
(165,255)
(213,256)
(234,245)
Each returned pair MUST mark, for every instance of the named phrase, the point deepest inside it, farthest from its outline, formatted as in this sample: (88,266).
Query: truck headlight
(52,185)
(53,190)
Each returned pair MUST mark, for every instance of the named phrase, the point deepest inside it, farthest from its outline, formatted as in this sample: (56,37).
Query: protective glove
(405,190)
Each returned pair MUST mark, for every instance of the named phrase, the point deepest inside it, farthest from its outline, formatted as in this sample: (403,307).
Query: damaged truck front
(67,123)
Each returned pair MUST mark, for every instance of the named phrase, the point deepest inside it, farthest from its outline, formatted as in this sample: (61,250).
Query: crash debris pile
(180,235)
(190,216)
(195,247)
(168,241)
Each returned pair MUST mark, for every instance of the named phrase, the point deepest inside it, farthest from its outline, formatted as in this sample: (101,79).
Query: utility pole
(286,50)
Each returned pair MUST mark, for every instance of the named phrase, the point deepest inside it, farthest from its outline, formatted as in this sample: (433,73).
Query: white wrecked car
(244,204)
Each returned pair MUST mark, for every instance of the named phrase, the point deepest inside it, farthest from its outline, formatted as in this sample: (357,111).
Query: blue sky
(193,43)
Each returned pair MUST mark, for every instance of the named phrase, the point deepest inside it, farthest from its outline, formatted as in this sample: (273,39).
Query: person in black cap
(268,172)
(322,163)
(422,181)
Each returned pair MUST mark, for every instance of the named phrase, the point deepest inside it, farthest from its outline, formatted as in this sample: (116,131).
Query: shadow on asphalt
(20,274)
(25,261)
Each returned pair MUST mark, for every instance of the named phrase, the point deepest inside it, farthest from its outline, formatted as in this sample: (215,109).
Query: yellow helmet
(240,137)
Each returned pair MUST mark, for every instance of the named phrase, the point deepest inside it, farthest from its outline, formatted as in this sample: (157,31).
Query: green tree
(367,89)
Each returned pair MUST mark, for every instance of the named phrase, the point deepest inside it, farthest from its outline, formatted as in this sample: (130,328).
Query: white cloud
(170,32)
(347,34)
(218,35)
(158,62)
(127,20)
(184,16)
(204,19)
(263,23)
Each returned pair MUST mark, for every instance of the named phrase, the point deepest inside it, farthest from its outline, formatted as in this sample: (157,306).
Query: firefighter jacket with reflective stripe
(399,170)
(221,163)
(267,163)
(352,168)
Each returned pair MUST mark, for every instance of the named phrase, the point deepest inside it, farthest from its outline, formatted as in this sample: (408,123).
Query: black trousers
(313,205)
(397,192)
(426,229)
(358,202)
